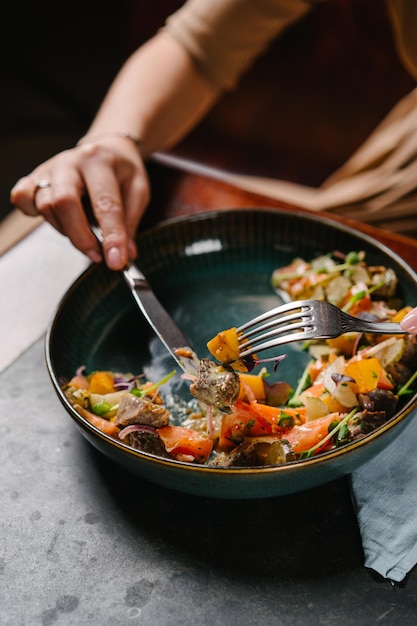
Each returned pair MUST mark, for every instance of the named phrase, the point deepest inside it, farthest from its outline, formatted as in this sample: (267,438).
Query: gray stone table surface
(84,542)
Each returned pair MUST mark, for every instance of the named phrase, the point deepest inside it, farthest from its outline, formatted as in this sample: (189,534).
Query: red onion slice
(135,428)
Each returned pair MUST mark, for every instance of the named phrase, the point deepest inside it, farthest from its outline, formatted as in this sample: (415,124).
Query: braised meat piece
(245,455)
(399,372)
(252,453)
(370,420)
(379,400)
(215,384)
(147,442)
(141,410)
(387,280)
(410,353)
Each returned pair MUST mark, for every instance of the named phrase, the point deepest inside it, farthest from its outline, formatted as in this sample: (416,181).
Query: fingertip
(409,322)
(114,258)
(94,256)
(12,194)
(15,191)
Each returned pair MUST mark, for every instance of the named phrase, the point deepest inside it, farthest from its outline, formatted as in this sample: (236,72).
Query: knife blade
(156,315)
(160,320)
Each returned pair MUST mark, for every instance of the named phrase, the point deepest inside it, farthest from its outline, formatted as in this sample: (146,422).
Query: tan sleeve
(404,18)
(225,36)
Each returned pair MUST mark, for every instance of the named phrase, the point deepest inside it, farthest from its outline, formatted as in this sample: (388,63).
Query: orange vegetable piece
(101,382)
(225,347)
(180,440)
(183,352)
(255,384)
(398,317)
(343,344)
(333,404)
(401,314)
(366,373)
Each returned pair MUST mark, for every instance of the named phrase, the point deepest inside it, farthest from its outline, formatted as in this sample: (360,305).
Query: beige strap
(377,184)
(14,227)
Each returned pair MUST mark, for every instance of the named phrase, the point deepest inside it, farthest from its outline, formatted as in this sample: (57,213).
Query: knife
(156,315)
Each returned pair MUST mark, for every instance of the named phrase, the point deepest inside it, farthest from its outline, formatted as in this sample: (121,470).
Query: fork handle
(362,326)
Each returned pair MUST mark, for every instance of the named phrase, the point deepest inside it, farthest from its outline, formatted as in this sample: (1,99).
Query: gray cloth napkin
(385,495)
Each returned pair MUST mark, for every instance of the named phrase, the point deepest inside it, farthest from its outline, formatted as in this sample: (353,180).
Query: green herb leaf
(295,400)
(353,258)
(285,420)
(142,392)
(101,408)
(405,389)
(332,433)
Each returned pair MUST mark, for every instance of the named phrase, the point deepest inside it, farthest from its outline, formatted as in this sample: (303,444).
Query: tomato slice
(183,441)
(241,423)
(308,435)
(256,420)
(384,381)
(278,419)
(106,427)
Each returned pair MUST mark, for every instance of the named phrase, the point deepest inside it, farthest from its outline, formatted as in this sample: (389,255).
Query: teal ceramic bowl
(211,271)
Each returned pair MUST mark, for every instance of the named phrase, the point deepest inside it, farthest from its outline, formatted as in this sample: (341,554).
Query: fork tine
(299,306)
(277,341)
(280,330)
(281,323)
(275,323)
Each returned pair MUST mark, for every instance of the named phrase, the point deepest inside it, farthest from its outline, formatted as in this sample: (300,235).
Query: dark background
(298,114)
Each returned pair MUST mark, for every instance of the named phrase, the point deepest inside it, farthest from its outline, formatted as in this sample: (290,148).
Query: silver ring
(42,184)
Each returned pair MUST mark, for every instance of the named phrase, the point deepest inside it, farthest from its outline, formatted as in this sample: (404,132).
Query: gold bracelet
(115,133)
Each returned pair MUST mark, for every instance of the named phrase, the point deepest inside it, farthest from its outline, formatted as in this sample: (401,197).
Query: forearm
(158,96)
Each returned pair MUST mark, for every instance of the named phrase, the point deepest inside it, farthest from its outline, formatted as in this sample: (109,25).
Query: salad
(241,415)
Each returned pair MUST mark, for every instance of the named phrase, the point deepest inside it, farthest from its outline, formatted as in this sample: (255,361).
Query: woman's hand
(109,170)
(161,94)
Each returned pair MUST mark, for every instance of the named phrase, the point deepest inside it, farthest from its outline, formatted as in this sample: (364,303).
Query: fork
(304,320)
